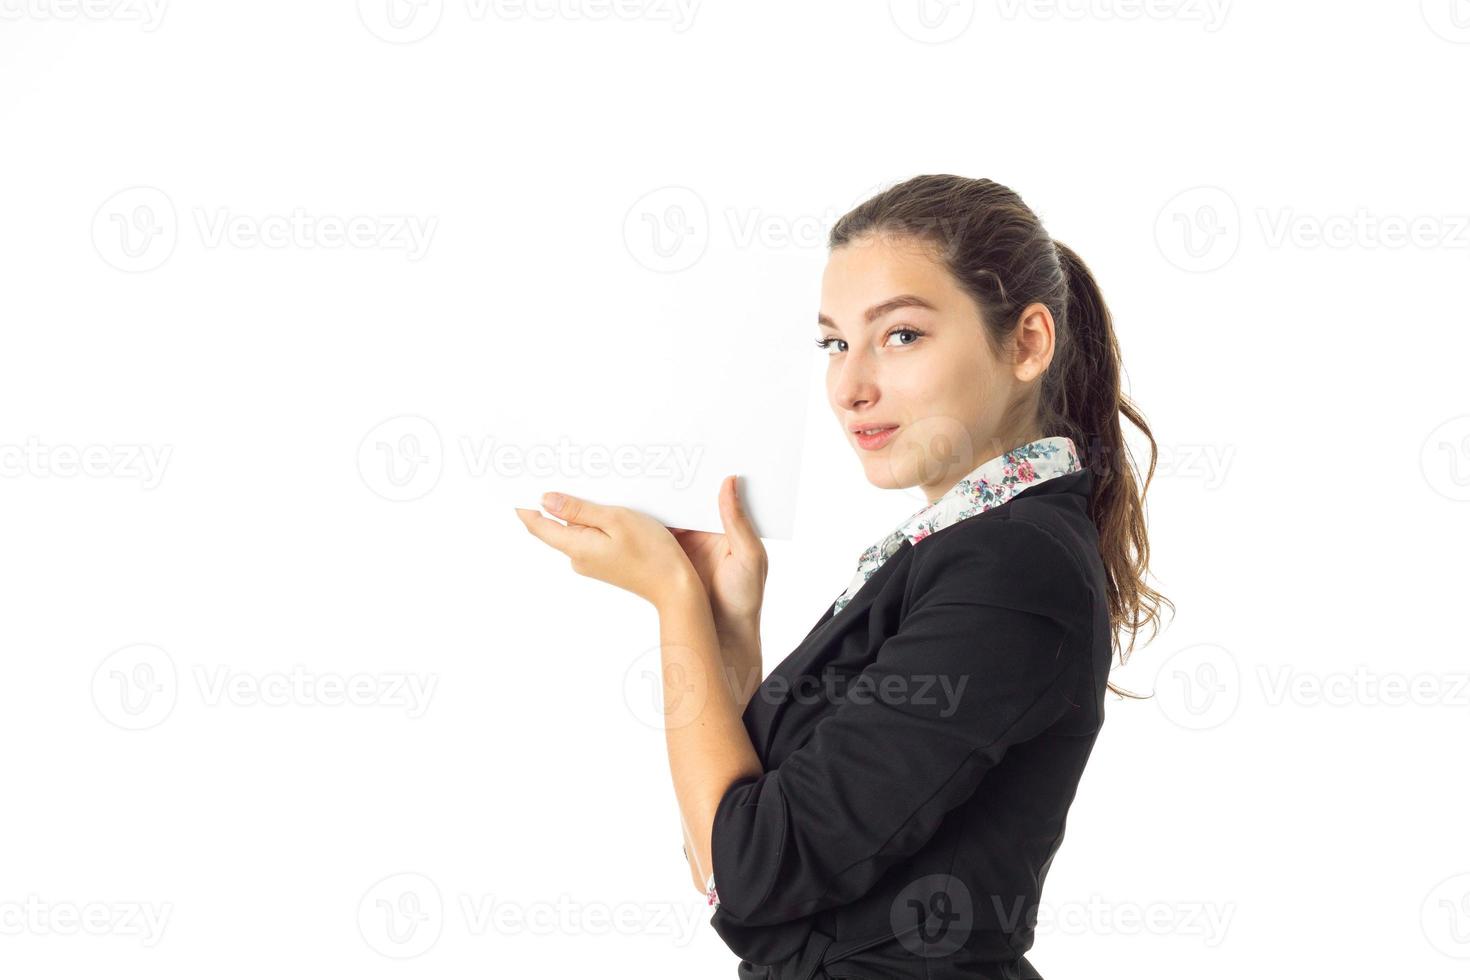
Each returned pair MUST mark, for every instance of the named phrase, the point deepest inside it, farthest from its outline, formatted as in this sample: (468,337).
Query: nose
(855,388)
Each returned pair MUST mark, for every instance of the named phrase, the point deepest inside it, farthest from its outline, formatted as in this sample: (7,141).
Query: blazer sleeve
(982,660)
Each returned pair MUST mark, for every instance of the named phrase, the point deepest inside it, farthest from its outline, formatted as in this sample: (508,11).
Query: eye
(824,343)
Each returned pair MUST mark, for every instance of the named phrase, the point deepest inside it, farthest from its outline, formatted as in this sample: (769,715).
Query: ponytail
(1088,404)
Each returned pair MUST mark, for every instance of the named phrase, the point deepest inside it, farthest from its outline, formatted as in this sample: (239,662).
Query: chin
(883,475)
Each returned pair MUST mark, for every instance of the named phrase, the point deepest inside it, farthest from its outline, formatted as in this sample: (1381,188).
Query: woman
(888,801)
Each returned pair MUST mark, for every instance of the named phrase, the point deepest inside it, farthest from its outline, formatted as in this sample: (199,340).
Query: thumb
(732,515)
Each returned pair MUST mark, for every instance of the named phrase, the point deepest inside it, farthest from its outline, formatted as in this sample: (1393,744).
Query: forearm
(708,747)
(740,649)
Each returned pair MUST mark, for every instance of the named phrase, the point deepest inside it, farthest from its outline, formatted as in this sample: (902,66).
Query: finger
(733,516)
(560,536)
(576,510)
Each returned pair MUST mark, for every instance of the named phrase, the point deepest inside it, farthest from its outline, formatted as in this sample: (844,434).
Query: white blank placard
(698,373)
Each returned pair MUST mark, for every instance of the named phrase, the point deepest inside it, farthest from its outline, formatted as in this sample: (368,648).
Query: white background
(1239,176)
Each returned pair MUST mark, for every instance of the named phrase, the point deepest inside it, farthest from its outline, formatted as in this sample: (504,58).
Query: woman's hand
(732,566)
(617,545)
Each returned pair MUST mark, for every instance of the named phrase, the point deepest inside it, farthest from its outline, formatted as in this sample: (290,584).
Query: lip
(879,439)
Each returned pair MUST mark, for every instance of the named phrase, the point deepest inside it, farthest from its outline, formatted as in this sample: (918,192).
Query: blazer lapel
(819,644)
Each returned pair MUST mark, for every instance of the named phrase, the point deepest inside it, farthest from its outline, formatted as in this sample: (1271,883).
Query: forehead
(872,269)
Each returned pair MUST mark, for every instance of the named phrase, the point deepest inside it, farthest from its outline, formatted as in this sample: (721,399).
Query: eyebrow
(883,308)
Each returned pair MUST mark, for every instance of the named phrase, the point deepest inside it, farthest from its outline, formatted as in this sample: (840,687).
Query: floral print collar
(988,485)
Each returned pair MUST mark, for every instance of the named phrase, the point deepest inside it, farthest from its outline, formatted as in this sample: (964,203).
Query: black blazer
(920,752)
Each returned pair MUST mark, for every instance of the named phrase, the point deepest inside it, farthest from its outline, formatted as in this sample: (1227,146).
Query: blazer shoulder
(1004,557)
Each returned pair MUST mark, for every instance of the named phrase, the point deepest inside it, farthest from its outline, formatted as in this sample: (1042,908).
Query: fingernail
(552,501)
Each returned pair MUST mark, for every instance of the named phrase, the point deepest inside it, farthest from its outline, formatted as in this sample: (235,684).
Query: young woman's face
(907,349)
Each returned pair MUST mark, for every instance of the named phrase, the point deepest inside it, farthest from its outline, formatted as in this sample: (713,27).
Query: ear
(1035,339)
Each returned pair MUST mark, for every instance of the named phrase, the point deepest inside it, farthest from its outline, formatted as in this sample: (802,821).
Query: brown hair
(998,251)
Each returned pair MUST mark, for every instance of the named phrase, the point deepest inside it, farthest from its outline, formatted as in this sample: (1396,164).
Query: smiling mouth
(875,438)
